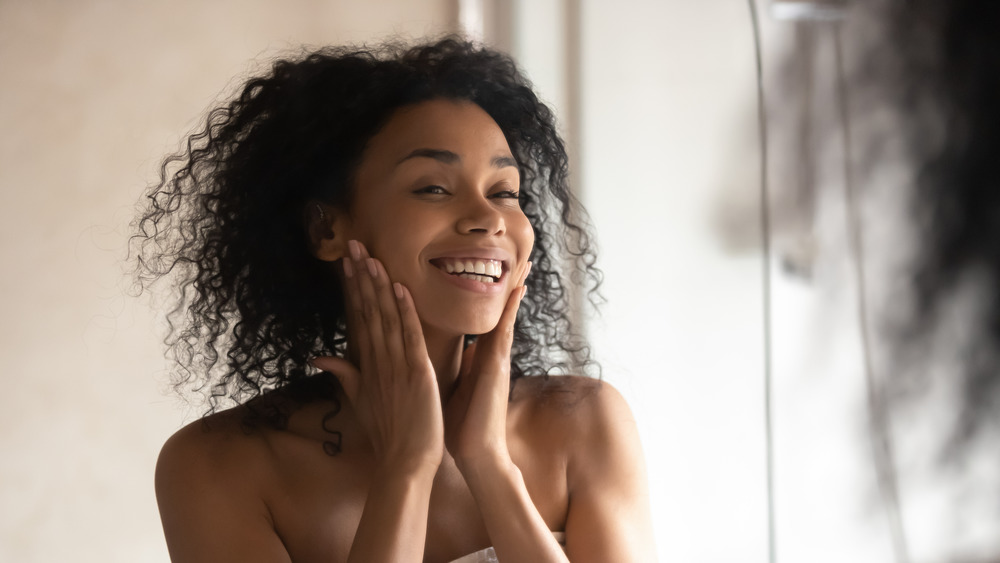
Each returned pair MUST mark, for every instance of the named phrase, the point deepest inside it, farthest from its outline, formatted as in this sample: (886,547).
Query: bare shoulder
(209,480)
(207,450)
(210,460)
(582,416)
(574,399)
(587,417)
(608,516)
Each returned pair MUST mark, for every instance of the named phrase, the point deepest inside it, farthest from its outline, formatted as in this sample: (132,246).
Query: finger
(345,372)
(357,337)
(502,335)
(375,290)
(494,346)
(412,332)
(367,275)
(375,367)
(524,275)
(509,316)
(391,323)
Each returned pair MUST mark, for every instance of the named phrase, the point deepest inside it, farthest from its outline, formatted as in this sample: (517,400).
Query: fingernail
(348,269)
(355,250)
(398,290)
(524,291)
(372,268)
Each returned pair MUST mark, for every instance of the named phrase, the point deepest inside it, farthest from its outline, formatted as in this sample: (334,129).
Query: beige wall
(93,94)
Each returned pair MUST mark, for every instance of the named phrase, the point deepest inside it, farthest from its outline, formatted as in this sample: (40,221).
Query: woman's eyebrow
(503,161)
(444,156)
(449,157)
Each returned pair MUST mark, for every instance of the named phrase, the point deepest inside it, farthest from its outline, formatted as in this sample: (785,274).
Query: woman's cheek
(525,236)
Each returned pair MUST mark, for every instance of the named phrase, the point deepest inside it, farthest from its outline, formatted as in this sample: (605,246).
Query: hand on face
(393,389)
(476,412)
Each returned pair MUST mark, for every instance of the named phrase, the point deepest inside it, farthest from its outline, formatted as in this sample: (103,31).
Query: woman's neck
(445,353)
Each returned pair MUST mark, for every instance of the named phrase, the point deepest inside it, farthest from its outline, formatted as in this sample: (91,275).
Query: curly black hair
(936,64)
(228,214)
(924,80)
(950,65)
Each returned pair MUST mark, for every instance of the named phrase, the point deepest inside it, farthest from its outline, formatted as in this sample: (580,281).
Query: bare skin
(270,495)
(436,462)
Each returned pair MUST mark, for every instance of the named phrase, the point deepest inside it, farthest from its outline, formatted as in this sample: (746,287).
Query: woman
(364,214)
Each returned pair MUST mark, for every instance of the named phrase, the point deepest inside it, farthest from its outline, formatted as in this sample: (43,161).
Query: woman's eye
(506,194)
(436,190)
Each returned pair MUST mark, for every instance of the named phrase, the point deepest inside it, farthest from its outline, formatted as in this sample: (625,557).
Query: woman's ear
(327,228)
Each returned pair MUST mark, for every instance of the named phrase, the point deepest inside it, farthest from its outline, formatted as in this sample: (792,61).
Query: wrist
(487,467)
(415,469)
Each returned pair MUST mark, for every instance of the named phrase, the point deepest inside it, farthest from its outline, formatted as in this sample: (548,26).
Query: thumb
(345,372)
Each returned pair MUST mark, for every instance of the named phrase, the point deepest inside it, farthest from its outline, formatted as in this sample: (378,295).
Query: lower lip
(473,285)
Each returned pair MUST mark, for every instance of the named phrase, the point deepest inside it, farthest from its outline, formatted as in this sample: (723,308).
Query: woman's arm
(515,527)
(476,427)
(396,396)
(393,524)
(609,515)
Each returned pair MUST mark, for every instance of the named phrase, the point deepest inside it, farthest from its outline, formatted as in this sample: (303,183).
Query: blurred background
(658,100)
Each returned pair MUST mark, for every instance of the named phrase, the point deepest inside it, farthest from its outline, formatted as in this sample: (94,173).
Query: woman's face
(435,197)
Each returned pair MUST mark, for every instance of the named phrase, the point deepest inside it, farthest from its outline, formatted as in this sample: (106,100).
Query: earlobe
(326,226)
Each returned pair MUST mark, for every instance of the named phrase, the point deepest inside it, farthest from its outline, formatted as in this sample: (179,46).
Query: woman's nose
(479,215)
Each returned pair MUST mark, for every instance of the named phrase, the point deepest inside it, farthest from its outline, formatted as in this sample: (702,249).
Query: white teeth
(489,268)
(478,278)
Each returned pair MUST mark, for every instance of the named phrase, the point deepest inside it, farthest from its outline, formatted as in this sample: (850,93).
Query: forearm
(515,527)
(393,524)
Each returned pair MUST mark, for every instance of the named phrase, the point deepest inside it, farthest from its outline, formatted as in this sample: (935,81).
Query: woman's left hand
(475,415)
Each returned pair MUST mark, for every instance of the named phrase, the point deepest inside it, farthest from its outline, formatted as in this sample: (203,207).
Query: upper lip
(478,253)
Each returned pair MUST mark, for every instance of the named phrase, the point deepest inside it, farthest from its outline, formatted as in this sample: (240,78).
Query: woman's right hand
(393,389)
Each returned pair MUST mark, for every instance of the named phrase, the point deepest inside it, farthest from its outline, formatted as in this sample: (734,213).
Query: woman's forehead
(458,126)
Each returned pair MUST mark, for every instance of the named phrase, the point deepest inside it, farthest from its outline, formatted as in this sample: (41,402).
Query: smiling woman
(352,238)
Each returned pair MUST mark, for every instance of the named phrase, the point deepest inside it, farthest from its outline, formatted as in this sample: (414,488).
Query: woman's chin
(477,328)
(462,324)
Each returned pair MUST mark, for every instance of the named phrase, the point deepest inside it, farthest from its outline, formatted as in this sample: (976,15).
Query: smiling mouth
(477,269)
